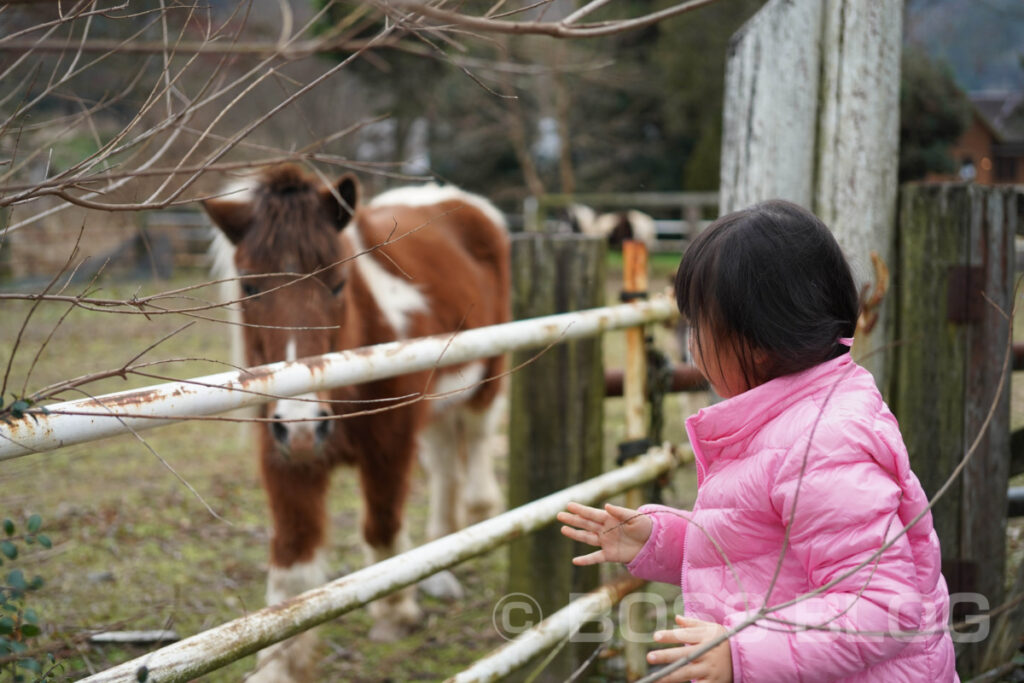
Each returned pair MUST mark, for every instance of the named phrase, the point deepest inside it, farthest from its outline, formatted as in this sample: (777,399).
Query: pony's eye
(336,289)
(250,289)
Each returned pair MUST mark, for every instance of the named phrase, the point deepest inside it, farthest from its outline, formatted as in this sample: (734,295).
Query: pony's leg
(440,447)
(442,457)
(384,491)
(297,503)
(481,497)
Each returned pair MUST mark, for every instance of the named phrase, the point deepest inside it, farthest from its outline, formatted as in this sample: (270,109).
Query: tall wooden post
(634,272)
(951,389)
(557,415)
(812,115)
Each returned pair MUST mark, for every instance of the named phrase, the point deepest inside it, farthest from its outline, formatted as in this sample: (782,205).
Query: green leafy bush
(19,624)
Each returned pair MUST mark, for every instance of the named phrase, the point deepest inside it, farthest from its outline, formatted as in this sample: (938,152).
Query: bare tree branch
(556,29)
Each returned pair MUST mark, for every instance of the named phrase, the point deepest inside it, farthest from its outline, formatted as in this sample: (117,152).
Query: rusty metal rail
(136,410)
(229,642)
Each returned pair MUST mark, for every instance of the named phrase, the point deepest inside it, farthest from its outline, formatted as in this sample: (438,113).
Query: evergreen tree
(934,112)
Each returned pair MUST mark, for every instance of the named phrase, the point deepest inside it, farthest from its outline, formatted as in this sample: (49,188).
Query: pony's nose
(301,435)
(279,430)
(323,427)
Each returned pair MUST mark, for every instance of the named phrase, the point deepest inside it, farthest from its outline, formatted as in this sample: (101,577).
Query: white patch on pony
(374,554)
(644,228)
(585,218)
(396,298)
(242,191)
(305,408)
(222,257)
(290,661)
(451,386)
(481,494)
(442,586)
(442,457)
(287,582)
(222,267)
(642,225)
(396,613)
(432,193)
(456,449)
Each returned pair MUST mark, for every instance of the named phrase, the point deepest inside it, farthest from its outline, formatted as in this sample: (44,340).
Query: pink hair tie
(846,341)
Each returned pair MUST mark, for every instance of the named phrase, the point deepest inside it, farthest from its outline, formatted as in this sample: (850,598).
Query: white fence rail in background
(94,418)
(672,233)
(219,646)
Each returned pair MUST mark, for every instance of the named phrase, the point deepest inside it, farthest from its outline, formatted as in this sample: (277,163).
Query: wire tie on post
(632,449)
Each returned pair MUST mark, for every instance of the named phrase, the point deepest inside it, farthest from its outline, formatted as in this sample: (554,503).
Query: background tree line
(506,116)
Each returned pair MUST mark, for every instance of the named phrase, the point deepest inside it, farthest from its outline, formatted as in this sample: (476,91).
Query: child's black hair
(769,279)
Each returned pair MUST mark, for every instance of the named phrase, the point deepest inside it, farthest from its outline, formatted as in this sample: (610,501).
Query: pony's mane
(291,228)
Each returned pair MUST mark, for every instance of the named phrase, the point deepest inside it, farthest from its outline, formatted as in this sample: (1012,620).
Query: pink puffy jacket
(802,480)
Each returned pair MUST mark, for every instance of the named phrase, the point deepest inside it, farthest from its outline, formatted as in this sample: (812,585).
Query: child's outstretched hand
(714,666)
(619,532)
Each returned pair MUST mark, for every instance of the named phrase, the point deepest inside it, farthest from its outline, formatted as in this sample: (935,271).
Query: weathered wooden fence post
(950,388)
(812,115)
(556,417)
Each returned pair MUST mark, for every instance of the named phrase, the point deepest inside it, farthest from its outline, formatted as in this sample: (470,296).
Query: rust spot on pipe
(133,398)
(256,374)
(318,364)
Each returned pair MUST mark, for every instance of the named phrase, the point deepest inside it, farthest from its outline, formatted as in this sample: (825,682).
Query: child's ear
(763,362)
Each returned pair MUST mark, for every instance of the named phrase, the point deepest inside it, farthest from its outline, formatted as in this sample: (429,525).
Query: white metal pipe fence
(229,642)
(94,418)
(554,631)
(135,410)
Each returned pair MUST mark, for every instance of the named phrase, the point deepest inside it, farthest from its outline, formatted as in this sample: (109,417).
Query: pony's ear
(346,188)
(231,216)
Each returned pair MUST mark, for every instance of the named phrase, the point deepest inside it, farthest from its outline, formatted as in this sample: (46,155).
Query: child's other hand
(714,666)
(619,532)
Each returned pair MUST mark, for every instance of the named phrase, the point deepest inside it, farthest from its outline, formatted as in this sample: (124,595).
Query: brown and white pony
(415,261)
(616,227)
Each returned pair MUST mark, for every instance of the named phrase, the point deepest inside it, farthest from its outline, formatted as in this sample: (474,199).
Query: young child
(795,555)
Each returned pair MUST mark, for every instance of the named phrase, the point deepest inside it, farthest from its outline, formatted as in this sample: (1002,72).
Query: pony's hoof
(442,586)
(481,510)
(389,631)
(288,662)
(274,672)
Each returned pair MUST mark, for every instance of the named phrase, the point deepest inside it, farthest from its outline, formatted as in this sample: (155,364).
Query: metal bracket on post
(625,297)
(632,449)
